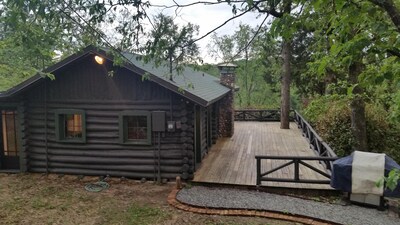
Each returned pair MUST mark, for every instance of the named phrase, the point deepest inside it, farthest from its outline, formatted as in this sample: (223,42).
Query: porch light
(99,59)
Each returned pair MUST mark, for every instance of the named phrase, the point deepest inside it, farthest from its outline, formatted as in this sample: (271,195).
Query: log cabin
(132,120)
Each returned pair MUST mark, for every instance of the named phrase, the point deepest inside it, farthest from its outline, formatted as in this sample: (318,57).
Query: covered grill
(360,181)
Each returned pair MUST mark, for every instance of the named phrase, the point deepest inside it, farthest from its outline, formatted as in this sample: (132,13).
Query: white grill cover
(367,169)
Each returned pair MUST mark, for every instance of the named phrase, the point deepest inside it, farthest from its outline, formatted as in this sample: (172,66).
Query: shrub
(331,118)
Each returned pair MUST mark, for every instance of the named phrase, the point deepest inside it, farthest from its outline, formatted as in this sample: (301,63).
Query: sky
(207,17)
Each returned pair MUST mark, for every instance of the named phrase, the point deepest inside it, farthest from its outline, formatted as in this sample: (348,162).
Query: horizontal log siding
(102,150)
(23,132)
(103,98)
(214,123)
(204,145)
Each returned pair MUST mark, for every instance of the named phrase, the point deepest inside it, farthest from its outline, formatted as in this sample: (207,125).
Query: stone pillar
(226,104)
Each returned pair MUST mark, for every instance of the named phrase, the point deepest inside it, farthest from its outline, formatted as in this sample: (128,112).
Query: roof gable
(197,86)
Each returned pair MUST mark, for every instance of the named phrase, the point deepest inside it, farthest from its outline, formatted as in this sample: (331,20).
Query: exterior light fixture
(99,60)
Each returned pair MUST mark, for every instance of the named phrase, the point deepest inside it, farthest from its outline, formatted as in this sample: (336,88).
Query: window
(134,127)
(9,129)
(70,125)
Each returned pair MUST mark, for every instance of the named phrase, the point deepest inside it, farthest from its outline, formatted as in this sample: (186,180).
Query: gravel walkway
(245,199)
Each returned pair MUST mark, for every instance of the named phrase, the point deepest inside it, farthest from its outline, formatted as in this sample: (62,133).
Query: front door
(9,155)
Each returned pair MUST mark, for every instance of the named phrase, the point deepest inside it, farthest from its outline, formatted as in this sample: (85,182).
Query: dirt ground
(39,199)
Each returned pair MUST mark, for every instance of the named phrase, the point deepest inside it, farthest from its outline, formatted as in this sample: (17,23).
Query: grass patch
(39,200)
(135,214)
(38,203)
(238,223)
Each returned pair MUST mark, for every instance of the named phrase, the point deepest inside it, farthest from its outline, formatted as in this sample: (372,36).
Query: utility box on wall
(158,121)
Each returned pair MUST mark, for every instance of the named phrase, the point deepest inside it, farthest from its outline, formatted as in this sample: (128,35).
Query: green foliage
(383,135)
(330,116)
(258,62)
(171,43)
(395,107)
(208,68)
(13,68)
(393,179)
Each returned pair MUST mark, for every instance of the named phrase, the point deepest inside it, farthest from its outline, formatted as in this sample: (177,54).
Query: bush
(331,118)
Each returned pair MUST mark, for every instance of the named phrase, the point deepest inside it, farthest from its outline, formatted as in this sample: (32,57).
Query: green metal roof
(189,80)
(200,87)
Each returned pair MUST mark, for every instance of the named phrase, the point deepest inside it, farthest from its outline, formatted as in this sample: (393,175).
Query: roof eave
(93,50)
(167,85)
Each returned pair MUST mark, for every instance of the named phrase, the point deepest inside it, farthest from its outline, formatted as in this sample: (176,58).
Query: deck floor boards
(232,160)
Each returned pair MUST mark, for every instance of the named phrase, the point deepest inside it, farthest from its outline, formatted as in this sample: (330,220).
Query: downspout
(170,106)
(159,158)
(194,137)
(45,127)
(155,159)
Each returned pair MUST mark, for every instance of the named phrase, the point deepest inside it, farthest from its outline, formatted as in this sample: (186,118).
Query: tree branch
(394,52)
(197,3)
(223,24)
(271,11)
(391,9)
(252,39)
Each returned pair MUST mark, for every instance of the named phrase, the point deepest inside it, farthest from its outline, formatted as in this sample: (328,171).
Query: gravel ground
(245,199)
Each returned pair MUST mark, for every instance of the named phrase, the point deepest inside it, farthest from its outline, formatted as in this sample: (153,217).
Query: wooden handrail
(296,161)
(315,141)
(325,153)
(260,115)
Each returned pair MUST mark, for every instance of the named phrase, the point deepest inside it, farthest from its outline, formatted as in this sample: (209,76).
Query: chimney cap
(227,68)
(222,65)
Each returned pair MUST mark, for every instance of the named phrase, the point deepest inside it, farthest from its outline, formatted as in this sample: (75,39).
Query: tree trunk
(248,102)
(285,88)
(391,9)
(357,106)
(170,65)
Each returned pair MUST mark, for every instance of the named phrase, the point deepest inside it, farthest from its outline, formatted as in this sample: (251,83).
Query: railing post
(258,171)
(296,170)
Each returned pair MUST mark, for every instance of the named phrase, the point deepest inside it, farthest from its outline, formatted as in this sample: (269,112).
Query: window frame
(123,127)
(60,126)
(6,131)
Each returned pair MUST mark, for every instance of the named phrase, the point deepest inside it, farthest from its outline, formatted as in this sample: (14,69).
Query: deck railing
(260,115)
(296,161)
(316,143)
(325,156)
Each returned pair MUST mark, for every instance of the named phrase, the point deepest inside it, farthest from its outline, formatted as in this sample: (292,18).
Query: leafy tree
(168,42)
(13,68)
(222,48)
(245,49)
(357,46)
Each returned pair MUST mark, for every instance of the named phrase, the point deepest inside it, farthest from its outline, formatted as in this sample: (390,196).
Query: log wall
(203,127)
(86,86)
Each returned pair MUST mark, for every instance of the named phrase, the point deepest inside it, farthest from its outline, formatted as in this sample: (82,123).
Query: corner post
(258,171)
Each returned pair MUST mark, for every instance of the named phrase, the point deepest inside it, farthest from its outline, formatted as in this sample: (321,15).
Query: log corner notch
(226,105)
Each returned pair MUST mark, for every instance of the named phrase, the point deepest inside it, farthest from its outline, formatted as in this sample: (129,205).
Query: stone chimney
(227,74)
(226,104)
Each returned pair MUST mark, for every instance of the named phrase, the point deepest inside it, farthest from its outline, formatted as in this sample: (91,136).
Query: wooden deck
(232,160)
